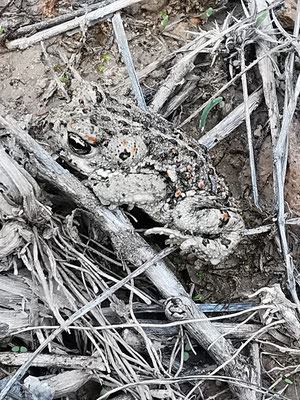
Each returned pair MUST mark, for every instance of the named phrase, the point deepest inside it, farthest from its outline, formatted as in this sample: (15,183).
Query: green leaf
(260,19)
(106,57)
(165,22)
(100,68)
(63,79)
(197,297)
(23,349)
(1,31)
(186,356)
(15,349)
(286,380)
(207,110)
(187,347)
(209,11)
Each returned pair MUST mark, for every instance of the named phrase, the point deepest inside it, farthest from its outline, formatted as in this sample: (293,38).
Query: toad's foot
(208,232)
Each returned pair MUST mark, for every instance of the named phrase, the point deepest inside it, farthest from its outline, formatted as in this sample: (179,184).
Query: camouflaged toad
(133,158)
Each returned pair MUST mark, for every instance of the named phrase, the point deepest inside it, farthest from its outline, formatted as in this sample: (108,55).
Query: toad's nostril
(124,155)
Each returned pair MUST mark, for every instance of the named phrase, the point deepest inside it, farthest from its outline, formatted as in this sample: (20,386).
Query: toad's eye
(78,145)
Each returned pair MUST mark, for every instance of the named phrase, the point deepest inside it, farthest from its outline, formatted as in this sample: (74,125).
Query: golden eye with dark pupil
(124,155)
(78,145)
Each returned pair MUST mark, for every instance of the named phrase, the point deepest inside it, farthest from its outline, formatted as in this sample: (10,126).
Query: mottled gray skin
(138,159)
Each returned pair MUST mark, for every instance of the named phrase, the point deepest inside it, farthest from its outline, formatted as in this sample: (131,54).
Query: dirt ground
(25,78)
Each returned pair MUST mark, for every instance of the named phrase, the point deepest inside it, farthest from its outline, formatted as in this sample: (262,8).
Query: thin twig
(249,132)
(124,50)
(156,325)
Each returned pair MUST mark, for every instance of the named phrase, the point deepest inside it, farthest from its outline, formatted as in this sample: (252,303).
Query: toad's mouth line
(71,168)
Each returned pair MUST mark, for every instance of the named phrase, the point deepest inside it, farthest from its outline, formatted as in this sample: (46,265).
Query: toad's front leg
(146,191)
(213,231)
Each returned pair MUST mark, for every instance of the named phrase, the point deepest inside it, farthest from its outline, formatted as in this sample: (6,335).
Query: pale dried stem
(230,330)
(266,69)
(50,22)
(89,18)
(169,324)
(282,349)
(283,308)
(173,81)
(249,132)
(124,50)
(180,97)
(53,360)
